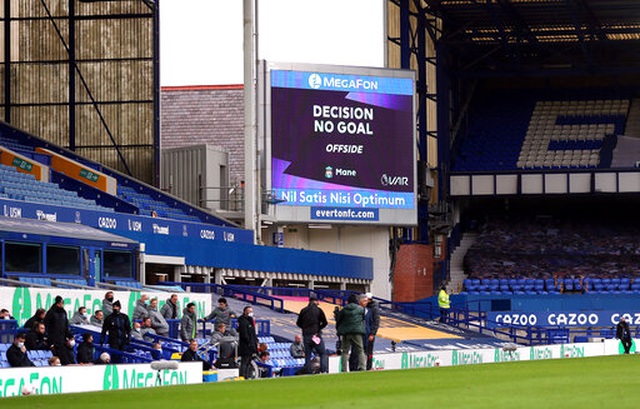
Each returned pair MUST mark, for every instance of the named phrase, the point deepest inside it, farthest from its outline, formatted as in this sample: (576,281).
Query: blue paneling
(201,244)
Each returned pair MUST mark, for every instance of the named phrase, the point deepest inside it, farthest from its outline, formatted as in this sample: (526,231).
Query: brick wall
(413,273)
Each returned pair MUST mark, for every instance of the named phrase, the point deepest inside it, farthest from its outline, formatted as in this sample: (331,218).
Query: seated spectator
(5,315)
(97,318)
(80,317)
(140,310)
(104,359)
(37,317)
(86,350)
(157,353)
(36,338)
(17,353)
(265,360)
(66,352)
(136,332)
(297,347)
(145,327)
(191,355)
(158,323)
(54,361)
(222,334)
(227,342)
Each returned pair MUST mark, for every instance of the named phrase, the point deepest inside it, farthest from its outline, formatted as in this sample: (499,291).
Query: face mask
(72,343)
(159,350)
(58,364)
(109,298)
(250,314)
(20,344)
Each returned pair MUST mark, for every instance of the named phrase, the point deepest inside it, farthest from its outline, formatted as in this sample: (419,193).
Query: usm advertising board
(342,142)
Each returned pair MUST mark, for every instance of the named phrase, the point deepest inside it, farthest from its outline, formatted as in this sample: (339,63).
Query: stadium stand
(20,186)
(552,256)
(145,199)
(542,133)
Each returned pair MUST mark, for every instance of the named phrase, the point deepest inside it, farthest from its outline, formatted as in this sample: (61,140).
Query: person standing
(363,301)
(350,326)
(57,323)
(188,323)
(624,334)
(443,303)
(248,341)
(171,308)
(312,321)
(107,303)
(118,328)
(373,309)
(222,314)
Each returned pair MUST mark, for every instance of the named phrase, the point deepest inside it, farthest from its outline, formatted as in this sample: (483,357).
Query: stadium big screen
(342,144)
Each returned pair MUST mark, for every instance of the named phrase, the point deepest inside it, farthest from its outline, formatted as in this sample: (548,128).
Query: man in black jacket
(312,320)
(37,317)
(248,341)
(374,310)
(86,350)
(118,326)
(624,335)
(191,355)
(36,338)
(17,353)
(57,323)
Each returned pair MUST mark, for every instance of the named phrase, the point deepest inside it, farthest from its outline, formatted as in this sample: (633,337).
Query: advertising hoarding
(342,144)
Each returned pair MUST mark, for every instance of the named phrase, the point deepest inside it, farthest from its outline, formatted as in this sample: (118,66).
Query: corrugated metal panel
(186,170)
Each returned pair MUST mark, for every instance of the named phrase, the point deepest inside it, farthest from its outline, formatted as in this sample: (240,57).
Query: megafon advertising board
(342,144)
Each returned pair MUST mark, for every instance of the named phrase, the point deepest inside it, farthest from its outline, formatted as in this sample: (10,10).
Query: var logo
(111,380)
(315,81)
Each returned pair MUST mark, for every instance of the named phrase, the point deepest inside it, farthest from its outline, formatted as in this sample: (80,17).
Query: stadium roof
(588,35)
(24,226)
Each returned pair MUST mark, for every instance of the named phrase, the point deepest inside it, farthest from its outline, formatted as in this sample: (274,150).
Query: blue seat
(568,284)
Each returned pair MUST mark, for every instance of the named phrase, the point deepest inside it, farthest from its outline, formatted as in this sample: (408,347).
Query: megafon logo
(111,380)
(21,307)
(315,81)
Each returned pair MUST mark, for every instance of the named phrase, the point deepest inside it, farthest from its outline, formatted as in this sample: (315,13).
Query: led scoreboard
(342,144)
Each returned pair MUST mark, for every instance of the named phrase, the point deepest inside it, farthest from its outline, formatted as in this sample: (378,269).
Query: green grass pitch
(602,382)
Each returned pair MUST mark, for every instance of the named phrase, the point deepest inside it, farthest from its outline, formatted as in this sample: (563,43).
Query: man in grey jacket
(171,309)
(107,304)
(80,317)
(188,323)
(158,323)
(140,310)
(97,318)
